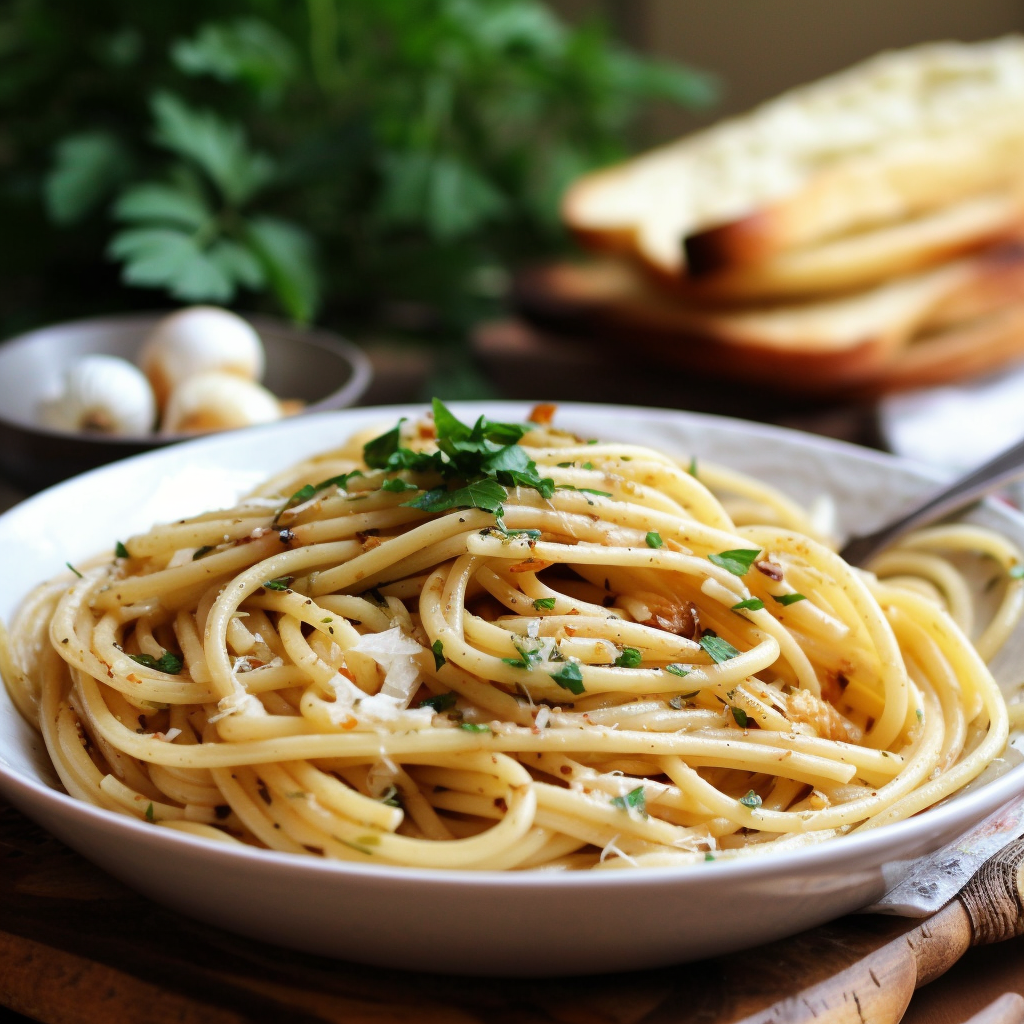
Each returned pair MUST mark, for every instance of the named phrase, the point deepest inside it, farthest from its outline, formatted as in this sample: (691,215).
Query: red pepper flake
(530,565)
(543,413)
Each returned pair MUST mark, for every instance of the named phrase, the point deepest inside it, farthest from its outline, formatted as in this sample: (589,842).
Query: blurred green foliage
(326,158)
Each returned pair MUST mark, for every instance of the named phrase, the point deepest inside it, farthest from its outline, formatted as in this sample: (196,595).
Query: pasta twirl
(501,647)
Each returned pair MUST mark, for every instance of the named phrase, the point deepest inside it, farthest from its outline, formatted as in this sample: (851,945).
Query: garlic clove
(101,394)
(196,340)
(218,401)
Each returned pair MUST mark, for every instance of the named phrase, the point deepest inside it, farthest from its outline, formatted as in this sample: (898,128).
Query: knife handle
(994,897)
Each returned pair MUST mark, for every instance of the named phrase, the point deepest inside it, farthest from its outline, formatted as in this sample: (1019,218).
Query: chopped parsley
(1016,572)
(719,649)
(396,485)
(741,716)
(592,490)
(785,599)
(485,458)
(304,493)
(629,658)
(692,468)
(653,539)
(473,727)
(754,604)
(569,677)
(544,604)
(167,662)
(633,800)
(507,534)
(199,552)
(439,702)
(438,649)
(281,583)
(677,669)
(588,465)
(120,551)
(751,800)
(150,815)
(74,570)
(529,657)
(736,560)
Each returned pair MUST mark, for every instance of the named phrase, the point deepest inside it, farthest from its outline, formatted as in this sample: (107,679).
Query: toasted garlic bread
(890,139)
(824,346)
(864,259)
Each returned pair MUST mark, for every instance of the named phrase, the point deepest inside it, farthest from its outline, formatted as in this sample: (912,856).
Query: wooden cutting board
(76,947)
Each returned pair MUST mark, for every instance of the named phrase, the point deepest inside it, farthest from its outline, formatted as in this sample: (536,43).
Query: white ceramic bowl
(484,923)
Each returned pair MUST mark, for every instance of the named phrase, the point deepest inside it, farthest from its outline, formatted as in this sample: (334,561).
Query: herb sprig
(476,464)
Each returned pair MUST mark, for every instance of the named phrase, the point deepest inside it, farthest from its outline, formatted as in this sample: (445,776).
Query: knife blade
(923,886)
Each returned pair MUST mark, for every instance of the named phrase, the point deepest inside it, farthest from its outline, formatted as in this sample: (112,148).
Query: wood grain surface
(76,947)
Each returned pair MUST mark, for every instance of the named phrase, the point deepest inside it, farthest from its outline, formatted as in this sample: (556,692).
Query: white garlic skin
(101,394)
(196,340)
(218,401)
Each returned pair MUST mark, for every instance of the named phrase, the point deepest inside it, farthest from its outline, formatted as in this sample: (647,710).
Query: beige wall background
(761,47)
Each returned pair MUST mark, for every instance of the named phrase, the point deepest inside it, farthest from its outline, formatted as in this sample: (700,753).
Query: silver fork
(1007,466)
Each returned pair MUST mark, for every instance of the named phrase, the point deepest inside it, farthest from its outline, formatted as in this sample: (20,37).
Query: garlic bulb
(218,401)
(104,394)
(196,340)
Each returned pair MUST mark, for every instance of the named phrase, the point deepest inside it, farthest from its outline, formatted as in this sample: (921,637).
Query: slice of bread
(888,140)
(827,346)
(863,259)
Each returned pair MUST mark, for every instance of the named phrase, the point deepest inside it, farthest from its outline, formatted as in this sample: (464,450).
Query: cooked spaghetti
(504,647)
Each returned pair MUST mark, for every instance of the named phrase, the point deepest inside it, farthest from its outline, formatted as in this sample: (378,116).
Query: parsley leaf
(74,570)
(653,539)
(150,815)
(634,799)
(569,677)
(1016,572)
(199,552)
(544,604)
(439,659)
(167,662)
(678,670)
(120,551)
(473,727)
(396,485)
(629,658)
(751,800)
(785,599)
(377,452)
(737,560)
(719,649)
(307,491)
(692,468)
(753,604)
(485,494)
(281,583)
(439,701)
(741,717)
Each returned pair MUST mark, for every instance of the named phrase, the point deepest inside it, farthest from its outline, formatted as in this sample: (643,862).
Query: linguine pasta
(493,647)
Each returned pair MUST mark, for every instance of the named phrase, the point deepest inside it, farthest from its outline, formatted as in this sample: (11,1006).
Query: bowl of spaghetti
(477,690)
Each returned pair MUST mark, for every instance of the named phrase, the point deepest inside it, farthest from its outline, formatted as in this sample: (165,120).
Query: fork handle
(994,897)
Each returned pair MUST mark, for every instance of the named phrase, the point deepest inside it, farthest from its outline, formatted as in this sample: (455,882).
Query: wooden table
(76,947)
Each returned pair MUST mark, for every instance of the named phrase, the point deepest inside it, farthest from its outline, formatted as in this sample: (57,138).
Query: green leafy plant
(326,158)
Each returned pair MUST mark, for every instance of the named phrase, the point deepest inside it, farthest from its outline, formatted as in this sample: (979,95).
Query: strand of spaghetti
(738,752)
(248,582)
(893,676)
